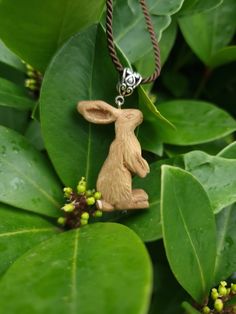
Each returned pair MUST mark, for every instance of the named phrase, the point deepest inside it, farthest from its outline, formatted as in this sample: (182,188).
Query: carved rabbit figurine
(115,179)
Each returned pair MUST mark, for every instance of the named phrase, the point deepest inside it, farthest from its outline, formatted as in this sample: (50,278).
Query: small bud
(97,195)
(206,310)
(61,221)
(228,291)
(89,193)
(222,291)
(29,67)
(82,181)
(68,207)
(223,283)
(90,201)
(67,191)
(98,213)
(214,294)
(83,222)
(218,305)
(81,188)
(233,287)
(31,73)
(85,216)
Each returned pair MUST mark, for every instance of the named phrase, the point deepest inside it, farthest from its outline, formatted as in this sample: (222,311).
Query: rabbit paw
(142,166)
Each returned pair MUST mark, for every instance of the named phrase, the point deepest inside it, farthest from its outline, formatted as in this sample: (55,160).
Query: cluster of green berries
(34,80)
(219,298)
(80,206)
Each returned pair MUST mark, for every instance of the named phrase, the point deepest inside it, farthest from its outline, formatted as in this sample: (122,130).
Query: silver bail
(129,81)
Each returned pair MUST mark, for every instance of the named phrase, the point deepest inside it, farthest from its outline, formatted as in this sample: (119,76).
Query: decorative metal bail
(129,81)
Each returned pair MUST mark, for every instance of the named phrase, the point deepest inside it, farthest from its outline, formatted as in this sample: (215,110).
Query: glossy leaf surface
(223,56)
(26,179)
(105,262)
(229,151)
(216,27)
(9,58)
(196,6)
(226,244)
(45,25)
(190,126)
(216,174)
(14,96)
(188,228)
(19,232)
(82,147)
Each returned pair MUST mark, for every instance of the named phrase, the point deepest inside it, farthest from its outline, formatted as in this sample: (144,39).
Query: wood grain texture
(124,158)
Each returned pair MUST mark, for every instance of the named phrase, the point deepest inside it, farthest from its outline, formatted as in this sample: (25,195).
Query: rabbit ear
(97,111)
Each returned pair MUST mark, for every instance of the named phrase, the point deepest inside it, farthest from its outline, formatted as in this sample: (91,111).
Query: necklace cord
(111,44)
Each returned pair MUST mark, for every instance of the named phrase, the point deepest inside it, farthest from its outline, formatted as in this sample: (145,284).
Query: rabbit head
(99,112)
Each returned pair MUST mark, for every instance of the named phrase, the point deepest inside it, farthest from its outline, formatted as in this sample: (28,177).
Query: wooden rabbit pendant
(124,158)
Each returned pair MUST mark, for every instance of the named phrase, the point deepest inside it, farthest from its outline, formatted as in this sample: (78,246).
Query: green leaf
(14,119)
(26,180)
(11,95)
(216,27)
(46,25)
(189,309)
(195,6)
(148,133)
(77,148)
(216,174)
(188,227)
(226,244)
(130,26)
(223,56)
(20,231)
(9,58)
(101,268)
(229,151)
(196,122)
(34,136)
(145,64)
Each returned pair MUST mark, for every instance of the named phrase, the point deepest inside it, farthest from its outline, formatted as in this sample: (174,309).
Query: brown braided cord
(111,44)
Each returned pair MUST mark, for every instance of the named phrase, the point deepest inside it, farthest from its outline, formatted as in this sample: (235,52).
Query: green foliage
(80,266)
(184,201)
(187,137)
(44,26)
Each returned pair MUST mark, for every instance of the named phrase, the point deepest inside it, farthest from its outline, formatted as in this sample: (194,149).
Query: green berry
(68,207)
(223,283)
(90,200)
(61,221)
(85,215)
(218,305)
(214,294)
(98,213)
(82,181)
(97,195)
(83,222)
(228,291)
(81,188)
(89,193)
(67,191)
(233,287)
(206,310)
(222,291)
